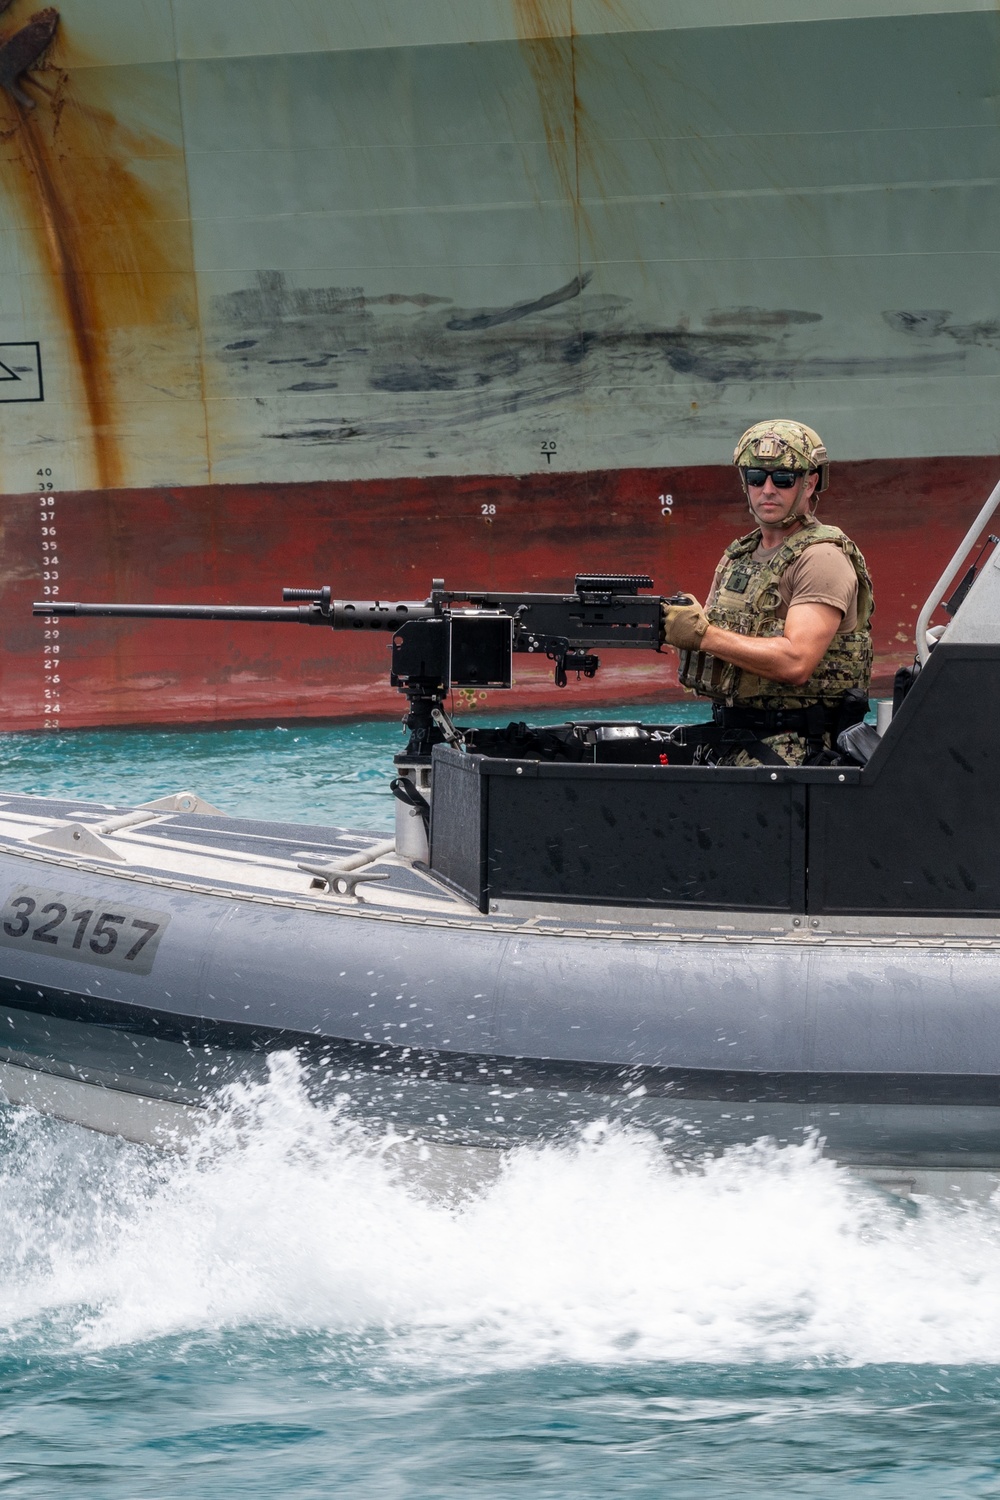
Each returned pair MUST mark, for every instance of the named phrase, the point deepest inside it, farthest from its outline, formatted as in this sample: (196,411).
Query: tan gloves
(682,625)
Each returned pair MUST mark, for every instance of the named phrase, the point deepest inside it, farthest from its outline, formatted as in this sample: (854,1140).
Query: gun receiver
(455,637)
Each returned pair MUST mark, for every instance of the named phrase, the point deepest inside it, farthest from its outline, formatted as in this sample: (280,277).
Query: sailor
(784,646)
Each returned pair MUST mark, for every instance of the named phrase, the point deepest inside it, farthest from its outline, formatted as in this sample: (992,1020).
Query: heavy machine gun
(455,638)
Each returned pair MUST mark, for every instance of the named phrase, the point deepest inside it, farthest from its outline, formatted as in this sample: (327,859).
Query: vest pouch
(706,674)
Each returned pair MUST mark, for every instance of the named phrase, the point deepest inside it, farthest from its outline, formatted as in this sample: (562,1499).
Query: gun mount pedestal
(411,787)
(423,720)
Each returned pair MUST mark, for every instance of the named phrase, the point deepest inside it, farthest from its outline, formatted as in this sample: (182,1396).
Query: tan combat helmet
(781,444)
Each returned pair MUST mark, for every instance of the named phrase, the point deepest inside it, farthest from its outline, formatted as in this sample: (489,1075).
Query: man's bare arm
(791,657)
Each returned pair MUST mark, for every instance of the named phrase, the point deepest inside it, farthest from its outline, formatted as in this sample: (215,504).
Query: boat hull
(422,1015)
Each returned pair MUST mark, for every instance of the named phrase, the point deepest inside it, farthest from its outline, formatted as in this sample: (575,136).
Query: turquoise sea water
(326,773)
(293,1308)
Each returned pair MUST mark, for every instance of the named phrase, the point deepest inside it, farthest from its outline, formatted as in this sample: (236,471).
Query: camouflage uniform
(747,601)
(792,748)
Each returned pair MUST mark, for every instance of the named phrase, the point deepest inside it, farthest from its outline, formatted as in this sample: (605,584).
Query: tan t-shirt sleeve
(822,575)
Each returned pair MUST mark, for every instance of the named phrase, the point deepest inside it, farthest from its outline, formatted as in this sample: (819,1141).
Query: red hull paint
(388,539)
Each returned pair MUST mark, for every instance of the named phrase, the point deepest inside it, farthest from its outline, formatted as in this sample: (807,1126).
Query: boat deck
(245,860)
(239,856)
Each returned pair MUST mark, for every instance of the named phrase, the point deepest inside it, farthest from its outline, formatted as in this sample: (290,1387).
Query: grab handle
(947,577)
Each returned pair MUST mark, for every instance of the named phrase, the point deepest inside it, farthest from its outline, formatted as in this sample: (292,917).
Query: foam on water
(287,1217)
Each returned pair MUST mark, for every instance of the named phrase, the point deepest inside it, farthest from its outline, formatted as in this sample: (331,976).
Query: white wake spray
(287,1216)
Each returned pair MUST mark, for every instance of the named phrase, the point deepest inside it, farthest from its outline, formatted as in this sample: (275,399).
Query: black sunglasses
(782,479)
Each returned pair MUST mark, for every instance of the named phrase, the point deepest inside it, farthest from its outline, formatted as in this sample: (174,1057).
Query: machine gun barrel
(338,614)
(179,611)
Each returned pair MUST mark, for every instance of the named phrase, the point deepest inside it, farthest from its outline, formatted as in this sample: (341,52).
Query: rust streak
(558,63)
(106,204)
(545,29)
(543,20)
(64,262)
(587,164)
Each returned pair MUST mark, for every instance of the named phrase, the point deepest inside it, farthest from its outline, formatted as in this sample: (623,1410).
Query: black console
(620,821)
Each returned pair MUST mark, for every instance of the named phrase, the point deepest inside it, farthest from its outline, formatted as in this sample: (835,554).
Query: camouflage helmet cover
(781,444)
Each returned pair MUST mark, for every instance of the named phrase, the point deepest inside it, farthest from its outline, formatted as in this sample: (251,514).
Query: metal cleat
(337,881)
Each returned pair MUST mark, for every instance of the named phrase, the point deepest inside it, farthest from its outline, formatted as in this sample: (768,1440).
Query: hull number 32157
(61,924)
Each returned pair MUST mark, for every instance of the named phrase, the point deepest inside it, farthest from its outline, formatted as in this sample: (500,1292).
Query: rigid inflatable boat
(579,926)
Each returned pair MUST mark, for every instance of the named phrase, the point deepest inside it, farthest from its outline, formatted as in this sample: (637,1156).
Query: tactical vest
(747,601)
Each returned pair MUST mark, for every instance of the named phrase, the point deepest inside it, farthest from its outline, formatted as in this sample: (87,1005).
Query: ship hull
(488,294)
(387,540)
